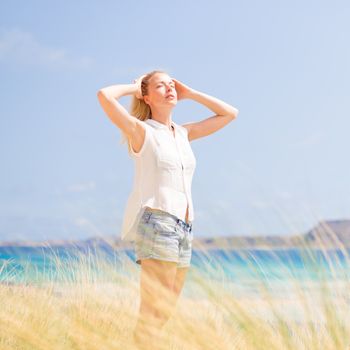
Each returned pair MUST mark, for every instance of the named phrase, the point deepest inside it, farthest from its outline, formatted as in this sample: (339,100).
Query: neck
(162,116)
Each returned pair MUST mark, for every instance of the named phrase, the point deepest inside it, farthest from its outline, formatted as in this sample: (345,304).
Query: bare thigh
(180,279)
(157,283)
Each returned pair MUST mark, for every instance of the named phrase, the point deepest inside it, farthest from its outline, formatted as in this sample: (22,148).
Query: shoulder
(141,139)
(185,127)
(142,128)
(143,123)
(184,130)
(148,126)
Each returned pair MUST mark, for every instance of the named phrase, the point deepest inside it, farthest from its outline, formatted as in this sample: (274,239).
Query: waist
(162,212)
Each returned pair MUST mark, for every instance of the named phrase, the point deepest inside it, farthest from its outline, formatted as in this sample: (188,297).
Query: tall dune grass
(90,301)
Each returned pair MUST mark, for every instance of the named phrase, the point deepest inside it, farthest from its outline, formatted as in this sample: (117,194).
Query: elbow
(101,96)
(234,113)
(100,93)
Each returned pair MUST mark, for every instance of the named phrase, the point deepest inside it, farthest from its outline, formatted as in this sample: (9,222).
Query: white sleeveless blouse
(164,168)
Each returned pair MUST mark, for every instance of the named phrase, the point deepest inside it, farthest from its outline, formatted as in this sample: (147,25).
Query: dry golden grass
(96,307)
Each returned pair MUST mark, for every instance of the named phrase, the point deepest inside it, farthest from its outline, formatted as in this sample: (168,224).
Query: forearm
(217,106)
(117,91)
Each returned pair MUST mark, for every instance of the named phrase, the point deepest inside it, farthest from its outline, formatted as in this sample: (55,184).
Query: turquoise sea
(286,277)
(43,264)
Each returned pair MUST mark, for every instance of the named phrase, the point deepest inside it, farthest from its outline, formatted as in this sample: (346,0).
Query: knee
(161,319)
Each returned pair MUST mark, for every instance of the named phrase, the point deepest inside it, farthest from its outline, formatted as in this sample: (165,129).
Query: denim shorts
(161,235)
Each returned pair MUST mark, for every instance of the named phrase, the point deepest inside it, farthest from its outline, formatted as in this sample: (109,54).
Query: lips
(170,96)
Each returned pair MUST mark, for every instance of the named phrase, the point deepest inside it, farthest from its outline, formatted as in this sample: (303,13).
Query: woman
(159,211)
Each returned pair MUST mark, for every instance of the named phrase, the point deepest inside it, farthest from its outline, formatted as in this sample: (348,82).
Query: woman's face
(161,90)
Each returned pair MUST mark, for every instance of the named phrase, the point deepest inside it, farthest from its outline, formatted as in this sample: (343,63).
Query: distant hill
(329,233)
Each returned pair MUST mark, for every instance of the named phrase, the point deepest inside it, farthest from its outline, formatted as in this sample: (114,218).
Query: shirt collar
(159,125)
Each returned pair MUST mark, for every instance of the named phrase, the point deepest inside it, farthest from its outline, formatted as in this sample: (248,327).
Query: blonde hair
(139,108)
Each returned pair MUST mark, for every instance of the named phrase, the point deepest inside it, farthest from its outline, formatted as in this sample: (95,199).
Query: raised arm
(119,116)
(224,113)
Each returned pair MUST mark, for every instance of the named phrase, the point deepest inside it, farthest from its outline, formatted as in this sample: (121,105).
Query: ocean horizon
(42,264)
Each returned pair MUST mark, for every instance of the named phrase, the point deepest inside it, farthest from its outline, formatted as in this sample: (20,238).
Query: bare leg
(179,280)
(157,298)
(180,275)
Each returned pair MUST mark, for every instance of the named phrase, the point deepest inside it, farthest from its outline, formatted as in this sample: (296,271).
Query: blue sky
(277,169)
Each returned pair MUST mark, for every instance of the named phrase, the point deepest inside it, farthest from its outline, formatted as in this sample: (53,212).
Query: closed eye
(172,85)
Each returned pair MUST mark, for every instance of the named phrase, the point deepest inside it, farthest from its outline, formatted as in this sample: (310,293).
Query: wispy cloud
(21,47)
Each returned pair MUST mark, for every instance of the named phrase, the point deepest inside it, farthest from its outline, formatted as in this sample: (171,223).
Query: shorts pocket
(146,216)
(145,237)
(144,226)
(164,226)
